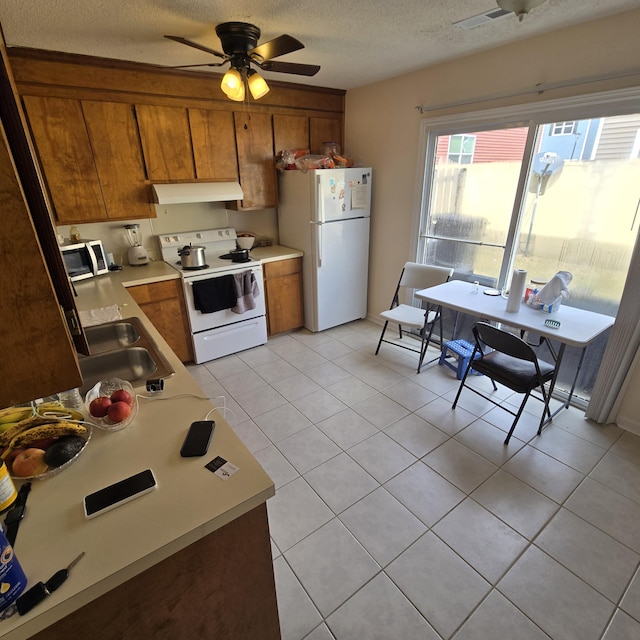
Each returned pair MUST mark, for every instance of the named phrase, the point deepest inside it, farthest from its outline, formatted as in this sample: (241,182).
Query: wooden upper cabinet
(166,142)
(323,130)
(254,140)
(290,132)
(64,149)
(39,358)
(214,144)
(118,157)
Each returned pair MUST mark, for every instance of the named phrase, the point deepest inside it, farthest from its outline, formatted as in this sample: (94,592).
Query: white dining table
(575,327)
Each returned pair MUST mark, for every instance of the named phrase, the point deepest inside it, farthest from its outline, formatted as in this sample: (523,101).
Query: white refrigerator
(325,213)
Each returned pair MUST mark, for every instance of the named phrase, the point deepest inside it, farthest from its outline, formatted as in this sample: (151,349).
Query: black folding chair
(510,361)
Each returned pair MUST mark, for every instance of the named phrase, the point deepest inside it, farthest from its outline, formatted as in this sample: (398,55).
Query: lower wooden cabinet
(221,586)
(163,303)
(283,290)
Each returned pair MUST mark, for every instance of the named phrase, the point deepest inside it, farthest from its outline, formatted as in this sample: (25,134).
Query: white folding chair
(414,277)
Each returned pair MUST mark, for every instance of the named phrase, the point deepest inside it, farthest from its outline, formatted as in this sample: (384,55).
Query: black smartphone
(198,439)
(118,493)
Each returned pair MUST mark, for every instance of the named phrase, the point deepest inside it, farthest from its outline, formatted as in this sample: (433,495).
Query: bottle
(8,492)
(71,399)
(12,577)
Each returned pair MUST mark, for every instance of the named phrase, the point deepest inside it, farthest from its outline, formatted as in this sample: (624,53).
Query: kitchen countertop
(188,504)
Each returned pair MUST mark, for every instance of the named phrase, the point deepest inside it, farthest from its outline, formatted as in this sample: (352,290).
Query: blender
(137,254)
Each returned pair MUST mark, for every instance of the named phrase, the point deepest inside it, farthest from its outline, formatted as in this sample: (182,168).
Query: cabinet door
(163,303)
(118,157)
(214,144)
(166,142)
(254,139)
(283,284)
(324,130)
(290,132)
(38,358)
(63,145)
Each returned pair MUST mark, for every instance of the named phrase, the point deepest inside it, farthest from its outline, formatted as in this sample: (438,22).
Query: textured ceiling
(356,42)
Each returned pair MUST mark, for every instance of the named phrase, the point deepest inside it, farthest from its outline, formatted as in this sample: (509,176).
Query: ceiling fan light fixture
(233,85)
(257,84)
(520,7)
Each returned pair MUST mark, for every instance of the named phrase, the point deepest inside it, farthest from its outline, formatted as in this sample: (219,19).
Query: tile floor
(396,517)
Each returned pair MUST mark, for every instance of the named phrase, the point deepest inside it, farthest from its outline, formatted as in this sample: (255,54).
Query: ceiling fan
(241,50)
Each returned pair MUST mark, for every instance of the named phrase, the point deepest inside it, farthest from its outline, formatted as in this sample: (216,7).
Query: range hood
(185,192)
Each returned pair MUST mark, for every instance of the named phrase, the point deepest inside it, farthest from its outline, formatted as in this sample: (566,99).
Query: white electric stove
(217,327)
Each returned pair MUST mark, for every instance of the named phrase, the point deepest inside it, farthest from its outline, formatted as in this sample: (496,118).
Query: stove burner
(202,266)
(228,256)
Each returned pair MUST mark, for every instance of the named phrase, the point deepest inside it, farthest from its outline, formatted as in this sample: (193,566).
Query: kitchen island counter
(169,537)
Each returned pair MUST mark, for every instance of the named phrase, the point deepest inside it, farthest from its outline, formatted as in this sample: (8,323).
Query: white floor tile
(308,449)
(571,610)
(381,456)
(347,428)
(332,565)
(461,466)
(604,563)
(340,482)
(483,540)
(380,411)
(443,587)
(379,611)
(497,618)
(424,492)
(544,473)
(382,525)
(295,512)
(516,503)
(298,615)
(416,435)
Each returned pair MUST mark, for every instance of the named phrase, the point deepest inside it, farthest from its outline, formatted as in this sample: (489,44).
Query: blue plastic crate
(461,351)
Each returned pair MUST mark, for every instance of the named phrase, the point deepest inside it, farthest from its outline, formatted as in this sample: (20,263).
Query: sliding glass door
(546,197)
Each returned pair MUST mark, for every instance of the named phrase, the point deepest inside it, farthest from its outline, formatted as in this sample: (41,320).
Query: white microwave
(84,259)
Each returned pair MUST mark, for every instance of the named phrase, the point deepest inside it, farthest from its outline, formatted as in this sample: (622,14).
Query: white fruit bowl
(106,388)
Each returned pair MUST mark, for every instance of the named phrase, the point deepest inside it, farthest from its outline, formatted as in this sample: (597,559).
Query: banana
(55,429)
(23,425)
(15,414)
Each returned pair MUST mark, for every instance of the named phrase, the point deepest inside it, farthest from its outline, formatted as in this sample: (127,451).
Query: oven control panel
(208,236)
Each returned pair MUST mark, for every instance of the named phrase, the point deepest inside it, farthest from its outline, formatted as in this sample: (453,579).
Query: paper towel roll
(516,291)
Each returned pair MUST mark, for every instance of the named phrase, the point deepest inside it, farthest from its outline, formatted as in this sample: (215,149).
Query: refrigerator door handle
(319,200)
(318,234)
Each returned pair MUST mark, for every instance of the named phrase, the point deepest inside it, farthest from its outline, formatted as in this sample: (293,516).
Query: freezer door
(342,194)
(336,274)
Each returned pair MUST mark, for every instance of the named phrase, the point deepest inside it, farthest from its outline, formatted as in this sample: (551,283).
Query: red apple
(119,411)
(43,443)
(122,395)
(29,463)
(99,407)
(8,457)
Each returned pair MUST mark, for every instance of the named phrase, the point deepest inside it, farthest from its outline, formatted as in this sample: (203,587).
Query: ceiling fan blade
(277,47)
(195,45)
(204,64)
(290,67)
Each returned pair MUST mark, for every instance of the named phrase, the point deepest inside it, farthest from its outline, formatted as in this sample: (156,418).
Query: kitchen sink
(122,349)
(112,335)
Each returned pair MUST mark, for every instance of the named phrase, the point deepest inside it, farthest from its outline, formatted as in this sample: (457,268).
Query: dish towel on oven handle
(214,294)
(247,291)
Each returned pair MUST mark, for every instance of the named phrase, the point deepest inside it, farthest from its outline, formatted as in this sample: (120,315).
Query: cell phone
(198,439)
(118,493)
